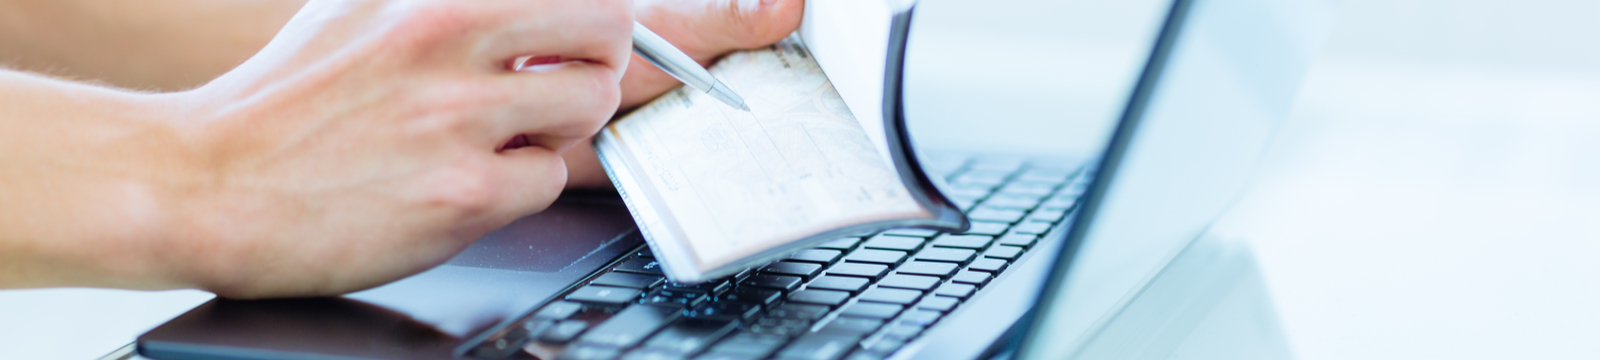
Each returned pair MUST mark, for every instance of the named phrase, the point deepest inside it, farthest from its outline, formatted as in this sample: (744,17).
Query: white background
(1433,195)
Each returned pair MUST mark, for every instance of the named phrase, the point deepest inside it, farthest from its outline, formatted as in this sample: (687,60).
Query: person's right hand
(368,140)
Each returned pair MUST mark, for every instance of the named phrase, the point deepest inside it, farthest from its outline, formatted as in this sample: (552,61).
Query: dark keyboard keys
(921,233)
(1018,240)
(691,335)
(681,298)
(631,325)
(799,311)
(988,265)
(727,356)
(891,296)
(589,353)
(1003,252)
(938,303)
(563,332)
(818,346)
(822,256)
(871,310)
(899,243)
(1031,228)
(726,309)
(713,287)
(803,270)
(862,270)
(640,265)
(956,290)
(820,297)
(921,318)
(748,344)
(946,255)
(627,280)
(963,241)
(987,228)
(653,354)
(851,326)
(762,297)
(887,257)
(915,282)
(977,278)
(558,310)
(927,268)
(995,215)
(605,295)
(775,282)
(841,244)
(901,331)
(839,283)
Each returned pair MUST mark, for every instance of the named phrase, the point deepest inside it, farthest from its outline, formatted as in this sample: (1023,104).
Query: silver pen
(663,55)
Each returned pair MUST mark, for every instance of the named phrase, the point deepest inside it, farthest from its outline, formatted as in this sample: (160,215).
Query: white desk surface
(1435,194)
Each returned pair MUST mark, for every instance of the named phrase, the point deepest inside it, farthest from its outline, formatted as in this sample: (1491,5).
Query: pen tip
(744,107)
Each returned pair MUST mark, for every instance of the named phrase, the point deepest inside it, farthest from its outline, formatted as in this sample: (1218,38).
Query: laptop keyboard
(859,297)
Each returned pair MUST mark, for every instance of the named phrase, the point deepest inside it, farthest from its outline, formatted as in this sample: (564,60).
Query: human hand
(367,141)
(705,30)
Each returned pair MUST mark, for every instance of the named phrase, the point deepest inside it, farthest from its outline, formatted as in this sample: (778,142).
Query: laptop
(1062,251)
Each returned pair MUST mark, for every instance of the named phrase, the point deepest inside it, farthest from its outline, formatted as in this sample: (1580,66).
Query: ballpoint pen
(663,55)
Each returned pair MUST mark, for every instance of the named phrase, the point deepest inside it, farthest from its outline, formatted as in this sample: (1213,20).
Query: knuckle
(429,22)
(467,190)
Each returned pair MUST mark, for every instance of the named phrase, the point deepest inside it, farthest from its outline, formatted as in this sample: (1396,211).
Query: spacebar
(631,325)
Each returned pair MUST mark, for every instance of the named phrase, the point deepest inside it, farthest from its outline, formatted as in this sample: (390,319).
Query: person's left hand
(704,29)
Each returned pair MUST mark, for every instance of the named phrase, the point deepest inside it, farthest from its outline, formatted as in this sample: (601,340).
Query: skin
(276,148)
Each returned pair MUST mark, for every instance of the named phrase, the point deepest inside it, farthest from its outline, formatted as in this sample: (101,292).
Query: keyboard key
(822,256)
(1031,228)
(799,311)
(921,318)
(640,265)
(946,255)
(901,331)
(988,265)
(996,164)
(1018,240)
(888,242)
(727,356)
(963,203)
(963,241)
(753,295)
(892,296)
(887,257)
(818,346)
(1045,176)
(1012,202)
(589,353)
(1027,189)
(1059,204)
(871,310)
(938,303)
(1046,216)
(995,215)
(841,244)
(681,298)
(725,309)
(606,295)
(987,228)
(927,268)
(921,233)
(851,326)
(749,344)
(819,297)
(976,278)
(776,282)
(654,354)
(863,270)
(558,310)
(713,287)
(563,332)
(839,283)
(691,335)
(1003,252)
(630,326)
(803,270)
(956,290)
(877,350)
(914,282)
(627,280)
(980,178)
(968,191)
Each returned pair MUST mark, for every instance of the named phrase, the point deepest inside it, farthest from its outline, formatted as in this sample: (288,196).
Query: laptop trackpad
(499,277)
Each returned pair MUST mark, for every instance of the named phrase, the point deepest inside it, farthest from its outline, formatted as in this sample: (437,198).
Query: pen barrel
(653,48)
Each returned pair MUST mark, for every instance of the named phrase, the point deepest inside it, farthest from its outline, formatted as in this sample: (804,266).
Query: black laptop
(1061,244)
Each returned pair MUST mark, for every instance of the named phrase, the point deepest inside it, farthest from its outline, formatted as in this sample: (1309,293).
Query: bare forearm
(76,206)
(147,44)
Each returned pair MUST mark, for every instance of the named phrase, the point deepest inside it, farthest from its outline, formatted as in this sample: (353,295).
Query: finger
(559,107)
(532,178)
(705,30)
(597,31)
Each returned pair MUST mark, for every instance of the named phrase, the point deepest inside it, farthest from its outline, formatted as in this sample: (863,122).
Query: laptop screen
(1221,75)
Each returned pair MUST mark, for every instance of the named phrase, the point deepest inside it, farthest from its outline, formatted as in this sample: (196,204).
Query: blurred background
(1432,195)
